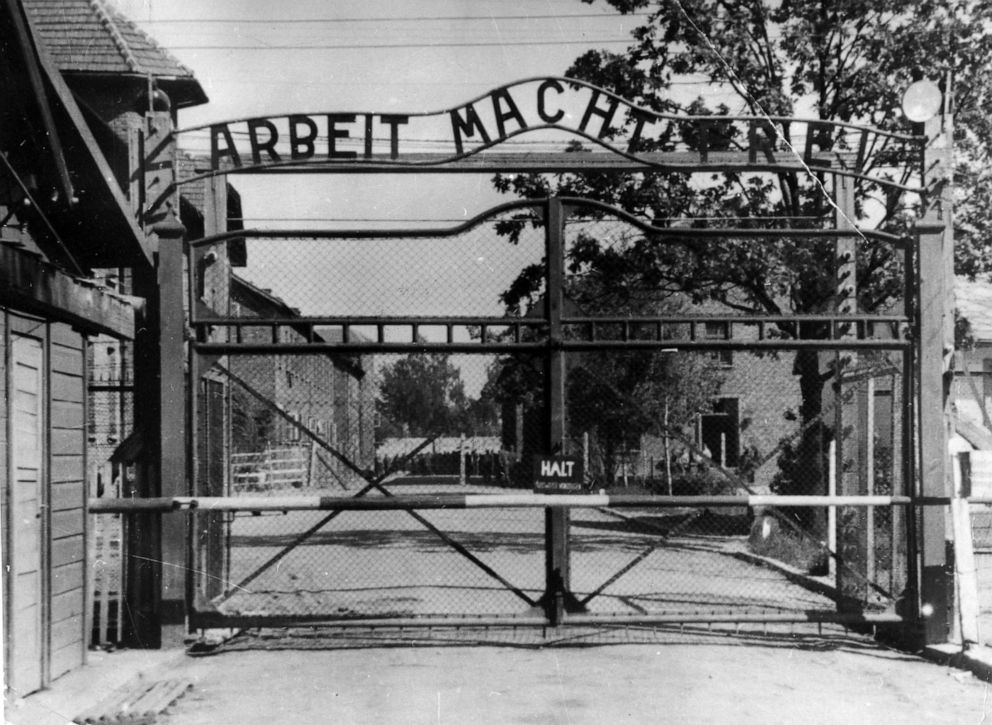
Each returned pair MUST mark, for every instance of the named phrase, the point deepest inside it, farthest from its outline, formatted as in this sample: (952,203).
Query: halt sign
(557,474)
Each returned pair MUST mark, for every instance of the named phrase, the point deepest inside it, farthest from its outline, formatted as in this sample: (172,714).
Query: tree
(613,397)
(421,394)
(846,59)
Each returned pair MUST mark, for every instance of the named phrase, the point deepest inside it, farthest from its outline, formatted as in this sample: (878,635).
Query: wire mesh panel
(305,407)
(372,365)
(736,404)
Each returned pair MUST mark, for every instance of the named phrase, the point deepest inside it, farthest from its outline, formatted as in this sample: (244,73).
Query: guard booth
(719,449)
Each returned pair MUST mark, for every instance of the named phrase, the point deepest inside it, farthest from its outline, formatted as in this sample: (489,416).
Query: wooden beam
(28,283)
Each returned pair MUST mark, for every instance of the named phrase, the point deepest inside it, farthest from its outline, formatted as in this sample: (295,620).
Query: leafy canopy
(840,60)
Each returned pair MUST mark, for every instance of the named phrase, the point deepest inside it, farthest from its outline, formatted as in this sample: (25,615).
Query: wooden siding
(26,580)
(67,472)
(5,483)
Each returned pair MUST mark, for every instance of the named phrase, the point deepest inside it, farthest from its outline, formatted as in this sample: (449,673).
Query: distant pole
(585,452)
(831,510)
(461,459)
(668,451)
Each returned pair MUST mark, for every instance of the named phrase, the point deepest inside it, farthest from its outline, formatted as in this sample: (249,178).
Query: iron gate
(369,405)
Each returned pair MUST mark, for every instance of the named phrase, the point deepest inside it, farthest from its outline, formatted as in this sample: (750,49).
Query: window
(719,331)
(294,432)
(719,432)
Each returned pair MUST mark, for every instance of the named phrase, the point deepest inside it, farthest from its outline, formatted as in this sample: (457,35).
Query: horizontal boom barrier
(471,501)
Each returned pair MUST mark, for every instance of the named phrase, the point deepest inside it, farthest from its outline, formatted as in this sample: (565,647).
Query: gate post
(936,349)
(159,581)
(556,520)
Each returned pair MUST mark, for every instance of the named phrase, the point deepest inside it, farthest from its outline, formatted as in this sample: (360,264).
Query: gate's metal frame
(545,335)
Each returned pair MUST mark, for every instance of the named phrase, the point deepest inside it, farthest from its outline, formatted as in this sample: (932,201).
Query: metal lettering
(641,117)
(394,122)
(368,135)
(301,147)
(510,113)
(542,109)
(268,145)
(216,152)
(605,113)
(334,133)
(469,125)
(760,141)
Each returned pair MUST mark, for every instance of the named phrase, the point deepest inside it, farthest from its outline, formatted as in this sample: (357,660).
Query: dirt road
(681,679)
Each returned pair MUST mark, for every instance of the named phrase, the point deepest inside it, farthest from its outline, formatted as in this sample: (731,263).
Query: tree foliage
(836,60)
(421,394)
(613,397)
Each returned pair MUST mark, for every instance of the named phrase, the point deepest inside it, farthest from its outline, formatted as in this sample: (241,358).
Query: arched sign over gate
(247,334)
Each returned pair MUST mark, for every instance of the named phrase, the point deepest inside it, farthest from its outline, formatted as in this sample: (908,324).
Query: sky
(259,58)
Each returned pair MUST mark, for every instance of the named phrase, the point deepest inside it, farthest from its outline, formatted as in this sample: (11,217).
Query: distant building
(328,396)
(971,393)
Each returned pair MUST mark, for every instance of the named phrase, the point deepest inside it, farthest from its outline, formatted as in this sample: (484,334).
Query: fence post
(966,578)
(557,596)
(935,242)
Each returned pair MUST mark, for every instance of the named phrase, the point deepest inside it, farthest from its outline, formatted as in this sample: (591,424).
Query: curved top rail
(539,205)
(422,232)
(647,228)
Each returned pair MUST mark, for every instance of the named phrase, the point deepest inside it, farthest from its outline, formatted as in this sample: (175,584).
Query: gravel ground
(387,563)
(659,677)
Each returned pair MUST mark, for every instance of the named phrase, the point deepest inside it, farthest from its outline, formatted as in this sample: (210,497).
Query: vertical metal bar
(908,552)
(172,409)
(850,430)
(555,519)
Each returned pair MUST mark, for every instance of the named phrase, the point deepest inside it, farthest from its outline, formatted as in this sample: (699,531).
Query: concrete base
(976,659)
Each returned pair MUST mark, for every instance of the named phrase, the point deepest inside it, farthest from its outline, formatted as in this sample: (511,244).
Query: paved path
(677,679)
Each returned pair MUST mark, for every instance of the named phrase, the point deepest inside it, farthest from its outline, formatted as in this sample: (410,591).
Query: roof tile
(90,36)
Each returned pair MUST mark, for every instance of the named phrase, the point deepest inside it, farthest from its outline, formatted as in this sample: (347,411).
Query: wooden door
(27,414)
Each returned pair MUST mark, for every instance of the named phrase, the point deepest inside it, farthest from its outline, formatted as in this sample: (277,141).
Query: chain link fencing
(356,377)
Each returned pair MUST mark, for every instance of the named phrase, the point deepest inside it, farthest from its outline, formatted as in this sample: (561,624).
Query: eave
(28,283)
(98,223)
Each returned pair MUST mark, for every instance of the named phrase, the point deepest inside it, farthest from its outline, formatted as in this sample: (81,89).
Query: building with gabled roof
(91,42)
(75,82)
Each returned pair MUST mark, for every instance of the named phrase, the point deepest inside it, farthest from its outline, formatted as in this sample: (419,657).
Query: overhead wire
(761,110)
(404,19)
(388,46)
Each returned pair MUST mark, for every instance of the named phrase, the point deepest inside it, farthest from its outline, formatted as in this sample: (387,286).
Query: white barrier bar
(465,501)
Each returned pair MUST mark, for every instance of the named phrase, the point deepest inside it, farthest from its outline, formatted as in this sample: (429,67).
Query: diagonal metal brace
(372,484)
